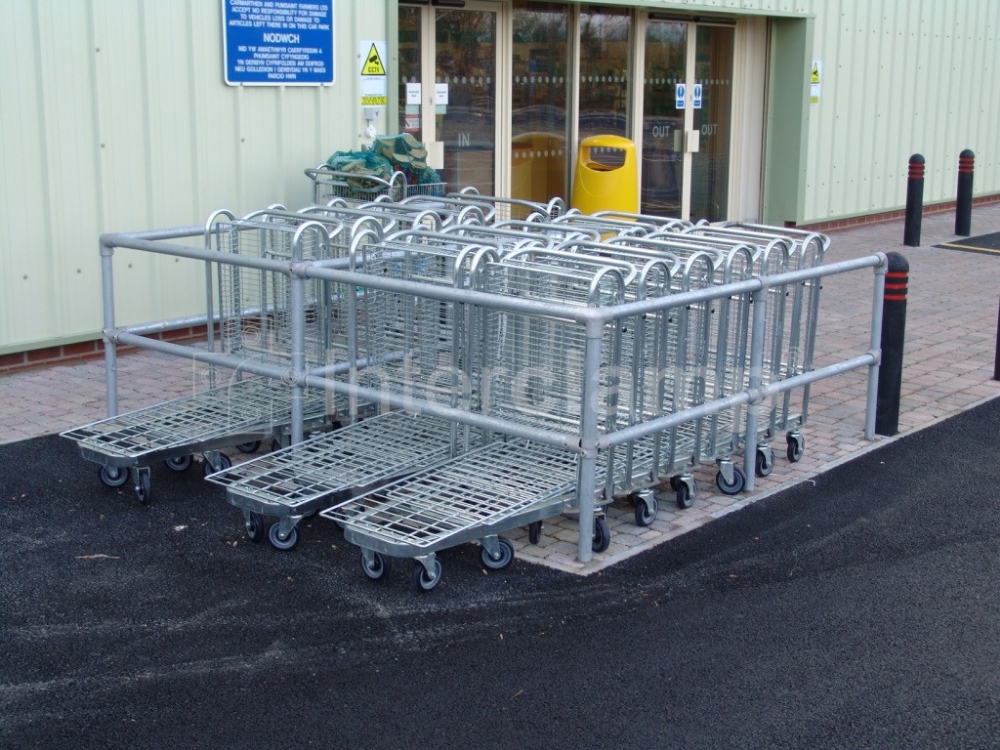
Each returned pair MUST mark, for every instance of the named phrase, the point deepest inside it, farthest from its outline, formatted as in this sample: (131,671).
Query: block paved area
(948,367)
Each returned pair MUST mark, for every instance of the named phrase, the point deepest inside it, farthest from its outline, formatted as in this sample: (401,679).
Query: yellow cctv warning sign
(373,64)
(815,73)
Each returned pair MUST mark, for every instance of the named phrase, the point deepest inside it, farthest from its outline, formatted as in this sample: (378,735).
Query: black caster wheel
(534,531)
(504,558)
(734,487)
(274,537)
(764,463)
(225,462)
(685,499)
(645,509)
(378,568)
(255,526)
(113,476)
(143,486)
(424,580)
(602,534)
(249,447)
(178,463)
(796,448)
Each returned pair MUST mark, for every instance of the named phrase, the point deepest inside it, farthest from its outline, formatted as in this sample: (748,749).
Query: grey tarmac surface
(857,610)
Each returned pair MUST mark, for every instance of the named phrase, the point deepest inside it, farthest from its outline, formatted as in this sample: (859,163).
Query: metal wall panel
(114,116)
(900,77)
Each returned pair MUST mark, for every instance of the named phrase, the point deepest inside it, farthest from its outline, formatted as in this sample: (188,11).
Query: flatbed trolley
(240,414)
(406,343)
(530,376)
(496,488)
(255,321)
(296,482)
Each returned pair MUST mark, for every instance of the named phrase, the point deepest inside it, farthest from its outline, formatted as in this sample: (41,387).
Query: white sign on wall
(816,82)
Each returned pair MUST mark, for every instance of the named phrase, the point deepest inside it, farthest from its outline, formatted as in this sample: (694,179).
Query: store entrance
(449,88)
(687,119)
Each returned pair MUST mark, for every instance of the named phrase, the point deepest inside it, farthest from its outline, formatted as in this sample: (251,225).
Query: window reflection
(539,95)
(604,71)
(710,166)
(662,122)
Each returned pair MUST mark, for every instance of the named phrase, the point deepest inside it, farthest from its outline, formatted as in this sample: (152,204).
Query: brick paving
(948,367)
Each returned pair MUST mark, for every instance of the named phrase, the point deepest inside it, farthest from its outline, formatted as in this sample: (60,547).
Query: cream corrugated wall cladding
(114,116)
(901,77)
(122,121)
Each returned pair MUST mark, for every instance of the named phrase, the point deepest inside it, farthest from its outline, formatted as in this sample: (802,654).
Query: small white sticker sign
(413,93)
(441,94)
(680,96)
(816,82)
(696,96)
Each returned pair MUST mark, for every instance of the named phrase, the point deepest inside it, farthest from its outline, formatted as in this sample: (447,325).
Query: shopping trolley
(495,208)
(724,346)
(255,313)
(528,368)
(791,331)
(409,346)
(354,187)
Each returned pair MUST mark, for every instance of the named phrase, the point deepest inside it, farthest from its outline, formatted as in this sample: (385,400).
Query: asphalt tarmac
(857,610)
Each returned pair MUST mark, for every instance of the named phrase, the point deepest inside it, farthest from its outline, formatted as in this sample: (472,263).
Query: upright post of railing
(890,373)
(297,301)
(586,480)
(963,204)
(110,348)
(914,201)
(754,383)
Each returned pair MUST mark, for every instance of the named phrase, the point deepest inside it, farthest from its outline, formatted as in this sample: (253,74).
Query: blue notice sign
(278,43)
(680,96)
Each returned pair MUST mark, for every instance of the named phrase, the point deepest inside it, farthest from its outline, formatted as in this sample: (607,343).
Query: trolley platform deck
(474,497)
(294,482)
(172,431)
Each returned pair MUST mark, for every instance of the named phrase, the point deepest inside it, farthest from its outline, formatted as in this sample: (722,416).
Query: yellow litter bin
(607,178)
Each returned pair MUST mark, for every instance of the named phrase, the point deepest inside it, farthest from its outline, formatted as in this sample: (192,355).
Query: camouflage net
(391,153)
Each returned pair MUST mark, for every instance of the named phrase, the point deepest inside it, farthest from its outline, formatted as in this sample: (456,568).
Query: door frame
(643,18)
(501,84)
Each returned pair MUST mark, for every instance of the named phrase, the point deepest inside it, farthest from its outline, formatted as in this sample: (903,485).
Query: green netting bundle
(407,155)
(362,163)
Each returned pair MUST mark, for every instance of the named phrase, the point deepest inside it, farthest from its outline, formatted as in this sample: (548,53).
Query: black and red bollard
(890,371)
(914,202)
(963,206)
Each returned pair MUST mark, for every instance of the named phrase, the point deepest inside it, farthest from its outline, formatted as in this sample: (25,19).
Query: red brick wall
(84,350)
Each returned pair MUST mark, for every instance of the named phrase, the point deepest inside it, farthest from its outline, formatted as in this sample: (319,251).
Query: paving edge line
(880,441)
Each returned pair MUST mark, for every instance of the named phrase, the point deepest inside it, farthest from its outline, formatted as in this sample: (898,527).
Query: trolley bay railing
(635,358)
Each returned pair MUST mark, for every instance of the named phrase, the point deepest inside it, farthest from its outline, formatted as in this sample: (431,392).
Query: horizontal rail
(593,315)
(291,378)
